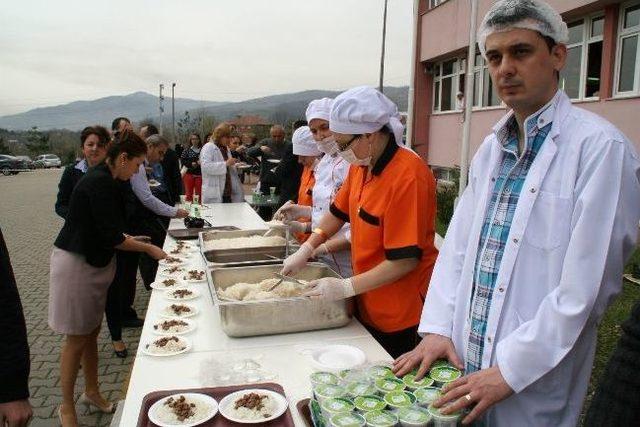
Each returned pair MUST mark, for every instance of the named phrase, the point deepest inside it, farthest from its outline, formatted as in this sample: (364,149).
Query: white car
(49,160)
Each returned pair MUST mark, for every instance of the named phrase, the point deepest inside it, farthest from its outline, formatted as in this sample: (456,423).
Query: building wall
(443,33)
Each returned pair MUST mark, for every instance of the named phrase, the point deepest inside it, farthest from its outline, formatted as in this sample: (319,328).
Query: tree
(3,147)
(38,142)
(186,126)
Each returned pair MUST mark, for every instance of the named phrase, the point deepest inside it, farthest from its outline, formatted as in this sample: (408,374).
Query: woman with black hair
(83,266)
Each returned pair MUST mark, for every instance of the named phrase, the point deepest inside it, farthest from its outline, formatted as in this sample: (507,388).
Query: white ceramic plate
(187,347)
(194,294)
(183,253)
(184,277)
(191,326)
(337,357)
(179,263)
(158,284)
(227,402)
(162,271)
(165,312)
(208,400)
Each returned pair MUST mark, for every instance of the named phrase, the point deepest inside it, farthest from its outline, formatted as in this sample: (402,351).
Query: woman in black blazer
(94,141)
(83,266)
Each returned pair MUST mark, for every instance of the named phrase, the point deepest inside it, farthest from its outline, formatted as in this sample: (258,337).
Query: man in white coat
(536,248)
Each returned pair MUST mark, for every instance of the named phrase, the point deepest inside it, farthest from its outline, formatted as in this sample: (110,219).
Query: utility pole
(468,99)
(161,105)
(384,36)
(173,112)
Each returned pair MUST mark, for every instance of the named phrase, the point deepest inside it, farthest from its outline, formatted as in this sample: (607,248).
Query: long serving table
(281,355)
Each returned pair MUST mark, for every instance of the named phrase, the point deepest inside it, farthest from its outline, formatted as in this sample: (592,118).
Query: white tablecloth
(280,355)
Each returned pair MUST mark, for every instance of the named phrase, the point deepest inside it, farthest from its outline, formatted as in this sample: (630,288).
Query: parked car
(30,164)
(10,165)
(49,160)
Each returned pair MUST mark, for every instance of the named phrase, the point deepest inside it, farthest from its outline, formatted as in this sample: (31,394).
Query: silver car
(49,160)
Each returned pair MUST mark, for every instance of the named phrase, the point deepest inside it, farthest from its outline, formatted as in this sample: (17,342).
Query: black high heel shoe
(122,354)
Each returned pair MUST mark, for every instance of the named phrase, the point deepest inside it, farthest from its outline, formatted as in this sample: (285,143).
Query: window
(580,77)
(485,94)
(448,81)
(434,3)
(628,55)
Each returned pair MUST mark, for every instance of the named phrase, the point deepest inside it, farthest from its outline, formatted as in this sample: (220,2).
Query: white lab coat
(214,171)
(575,225)
(330,173)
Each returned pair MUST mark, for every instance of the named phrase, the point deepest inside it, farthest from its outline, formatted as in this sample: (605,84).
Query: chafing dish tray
(245,255)
(276,316)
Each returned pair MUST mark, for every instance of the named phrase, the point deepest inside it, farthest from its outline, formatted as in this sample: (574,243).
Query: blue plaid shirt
(496,226)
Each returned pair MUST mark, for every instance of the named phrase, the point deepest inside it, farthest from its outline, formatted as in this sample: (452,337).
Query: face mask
(349,156)
(328,145)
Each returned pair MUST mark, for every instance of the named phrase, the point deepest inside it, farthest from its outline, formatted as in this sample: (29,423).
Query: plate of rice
(174,271)
(179,310)
(253,406)
(183,409)
(172,261)
(174,326)
(167,345)
(181,294)
(194,276)
(168,283)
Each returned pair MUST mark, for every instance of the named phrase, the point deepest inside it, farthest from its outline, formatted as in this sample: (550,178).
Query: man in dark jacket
(615,402)
(170,167)
(15,409)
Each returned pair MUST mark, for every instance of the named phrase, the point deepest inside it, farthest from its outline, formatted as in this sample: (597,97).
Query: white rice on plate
(269,407)
(172,326)
(165,345)
(167,411)
(179,310)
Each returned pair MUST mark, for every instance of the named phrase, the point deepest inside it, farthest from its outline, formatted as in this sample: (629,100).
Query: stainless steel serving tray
(242,256)
(278,316)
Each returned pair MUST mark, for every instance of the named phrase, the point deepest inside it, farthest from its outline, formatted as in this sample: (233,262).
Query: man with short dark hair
(536,248)
(168,170)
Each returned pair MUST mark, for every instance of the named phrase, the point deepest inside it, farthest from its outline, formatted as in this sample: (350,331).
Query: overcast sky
(221,50)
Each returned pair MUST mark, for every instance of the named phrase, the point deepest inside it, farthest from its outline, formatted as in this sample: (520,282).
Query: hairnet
(534,15)
(303,143)
(364,109)
(319,109)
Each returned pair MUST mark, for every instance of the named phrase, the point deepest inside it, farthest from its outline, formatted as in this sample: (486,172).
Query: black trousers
(149,266)
(121,293)
(396,343)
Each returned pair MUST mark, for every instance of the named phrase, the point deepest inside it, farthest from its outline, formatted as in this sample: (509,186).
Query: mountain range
(141,105)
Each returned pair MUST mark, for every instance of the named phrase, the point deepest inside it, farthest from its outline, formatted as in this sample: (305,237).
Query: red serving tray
(217,393)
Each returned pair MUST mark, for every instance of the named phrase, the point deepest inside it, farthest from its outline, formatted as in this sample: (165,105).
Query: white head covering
(319,109)
(303,143)
(363,109)
(534,15)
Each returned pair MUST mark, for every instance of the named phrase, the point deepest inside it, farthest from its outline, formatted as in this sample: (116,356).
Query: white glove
(290,211)
(331,289)
(298,260)
(323,249)
(297,226)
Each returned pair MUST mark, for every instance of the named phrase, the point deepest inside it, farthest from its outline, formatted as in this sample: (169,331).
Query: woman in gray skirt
(83,266)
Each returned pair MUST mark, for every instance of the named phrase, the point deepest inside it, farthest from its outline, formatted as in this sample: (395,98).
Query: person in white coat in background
(330,173)
(536,248)
(220,180)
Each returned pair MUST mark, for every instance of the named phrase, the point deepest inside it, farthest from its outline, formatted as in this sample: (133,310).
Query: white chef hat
(364,109)
(303,142)
(319,109)
(534,15)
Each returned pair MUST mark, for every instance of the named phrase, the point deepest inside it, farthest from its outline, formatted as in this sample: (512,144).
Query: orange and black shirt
(392,214)
(305,197)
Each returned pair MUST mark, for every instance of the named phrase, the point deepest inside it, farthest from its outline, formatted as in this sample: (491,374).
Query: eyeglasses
(342,146)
